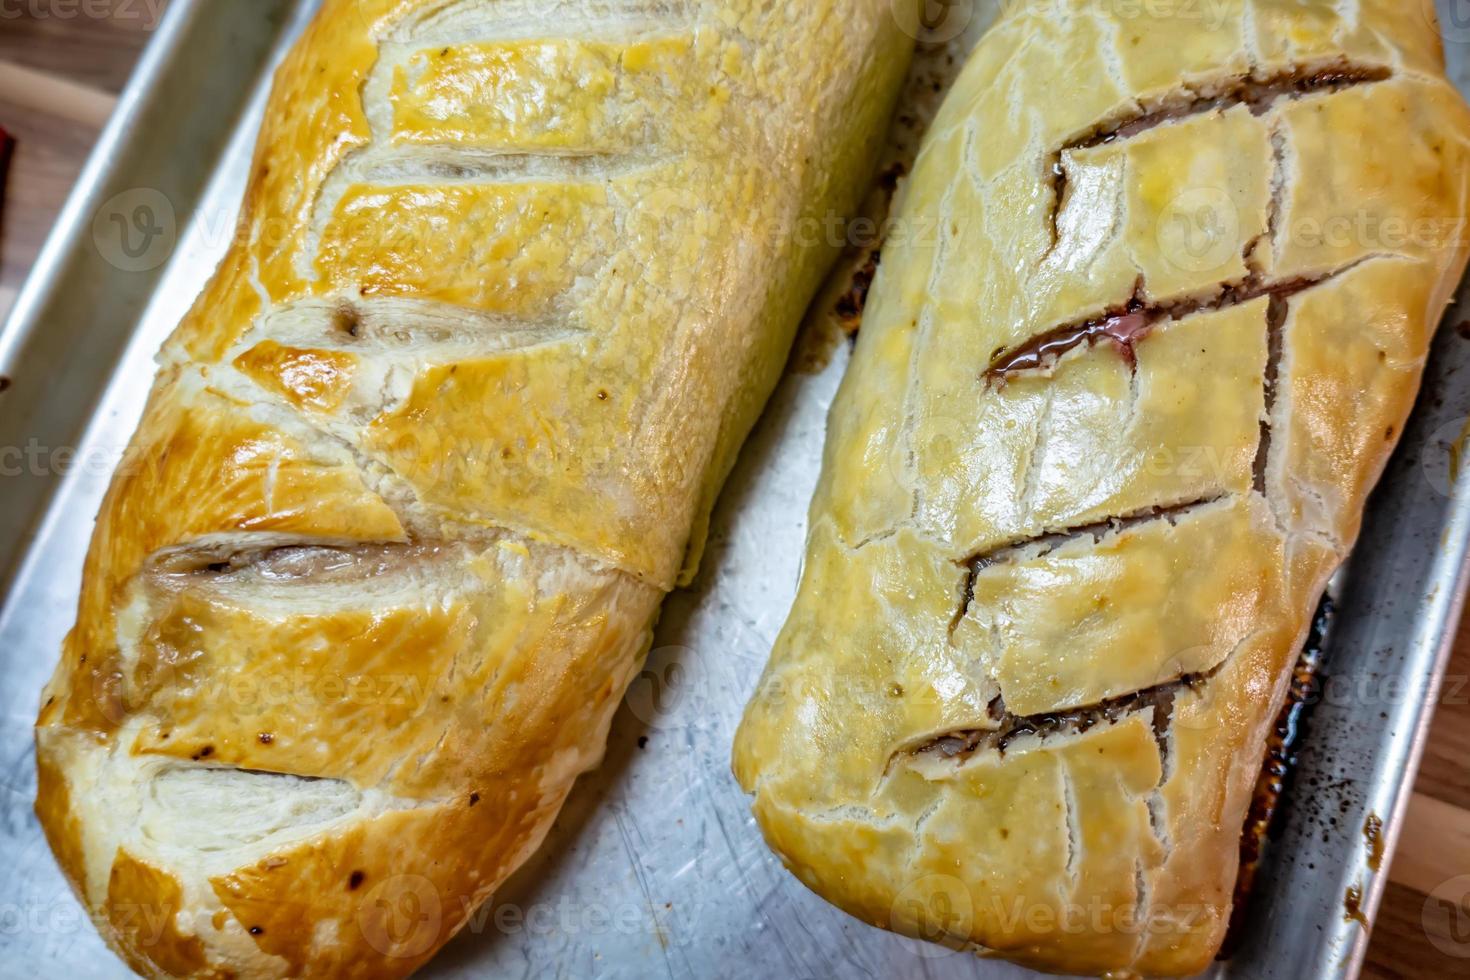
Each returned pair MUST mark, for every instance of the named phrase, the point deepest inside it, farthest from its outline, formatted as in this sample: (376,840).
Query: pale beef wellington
(1107,432)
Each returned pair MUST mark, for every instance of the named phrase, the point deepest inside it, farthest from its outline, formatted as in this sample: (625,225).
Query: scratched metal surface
(655,867)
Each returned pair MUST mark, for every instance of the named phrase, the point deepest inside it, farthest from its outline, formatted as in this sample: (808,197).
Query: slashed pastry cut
(512,280)
(1108,430)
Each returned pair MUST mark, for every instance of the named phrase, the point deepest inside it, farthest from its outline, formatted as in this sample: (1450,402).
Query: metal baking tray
(655,867)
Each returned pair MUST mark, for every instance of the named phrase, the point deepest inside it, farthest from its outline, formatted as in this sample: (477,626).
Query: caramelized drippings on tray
(1274,783)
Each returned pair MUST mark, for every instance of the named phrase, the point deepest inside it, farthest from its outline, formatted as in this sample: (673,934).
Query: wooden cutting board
(60,72)
(58,80)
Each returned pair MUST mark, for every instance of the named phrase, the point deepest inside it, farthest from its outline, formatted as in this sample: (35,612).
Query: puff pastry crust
(512,280)
(1159,314)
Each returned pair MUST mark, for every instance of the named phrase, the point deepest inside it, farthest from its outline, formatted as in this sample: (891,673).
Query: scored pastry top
(512,281)
(486,221)
(495,283)
(1153,314)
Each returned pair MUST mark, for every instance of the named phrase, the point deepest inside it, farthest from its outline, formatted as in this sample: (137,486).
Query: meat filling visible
(1157,701)
(1126,326)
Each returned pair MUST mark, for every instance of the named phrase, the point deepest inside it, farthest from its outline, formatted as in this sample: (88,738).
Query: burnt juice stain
(1352,906)
(1274,784)
(1373,836)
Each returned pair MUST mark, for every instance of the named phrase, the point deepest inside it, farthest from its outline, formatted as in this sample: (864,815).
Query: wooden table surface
(58,80)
